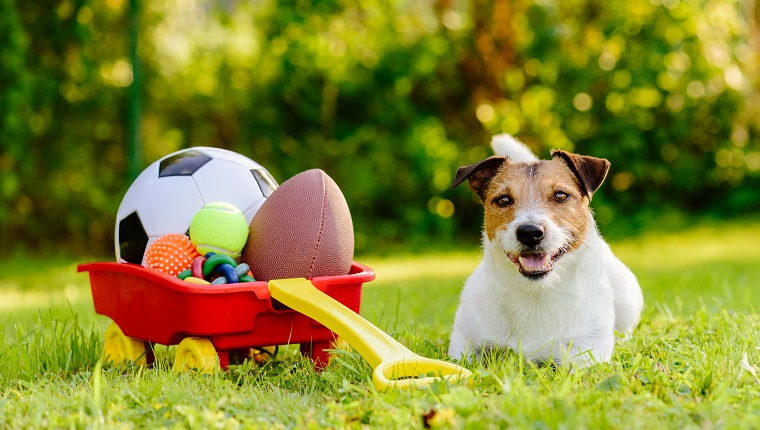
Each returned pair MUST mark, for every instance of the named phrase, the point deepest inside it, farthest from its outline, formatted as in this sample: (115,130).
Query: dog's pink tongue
(534,261)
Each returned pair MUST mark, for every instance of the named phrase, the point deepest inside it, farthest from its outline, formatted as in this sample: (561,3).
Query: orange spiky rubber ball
(170,254)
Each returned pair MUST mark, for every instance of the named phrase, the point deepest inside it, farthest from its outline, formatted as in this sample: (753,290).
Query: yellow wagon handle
(393,364)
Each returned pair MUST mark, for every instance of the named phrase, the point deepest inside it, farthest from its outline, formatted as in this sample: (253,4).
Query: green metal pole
(134,148)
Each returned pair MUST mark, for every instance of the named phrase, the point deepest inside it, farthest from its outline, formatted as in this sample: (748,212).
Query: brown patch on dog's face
(543,189)
(536,212)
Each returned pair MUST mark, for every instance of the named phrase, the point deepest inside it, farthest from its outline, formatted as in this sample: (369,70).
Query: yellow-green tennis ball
(221,228)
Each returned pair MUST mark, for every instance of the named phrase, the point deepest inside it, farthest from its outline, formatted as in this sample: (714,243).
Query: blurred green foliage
(388,97)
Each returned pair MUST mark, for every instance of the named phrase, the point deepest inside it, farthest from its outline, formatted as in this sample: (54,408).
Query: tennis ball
(221,228)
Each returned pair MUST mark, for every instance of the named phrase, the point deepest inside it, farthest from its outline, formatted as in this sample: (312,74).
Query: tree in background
(13,46)
(65,151)
(387,97)
(662,89)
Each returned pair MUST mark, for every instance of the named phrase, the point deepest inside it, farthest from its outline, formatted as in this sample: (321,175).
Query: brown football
(302,230)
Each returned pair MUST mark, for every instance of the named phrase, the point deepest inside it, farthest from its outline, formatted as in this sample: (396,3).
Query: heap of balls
(218,233)
(303,229)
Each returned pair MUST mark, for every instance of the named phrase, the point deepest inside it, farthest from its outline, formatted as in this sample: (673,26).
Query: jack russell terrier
(548,284)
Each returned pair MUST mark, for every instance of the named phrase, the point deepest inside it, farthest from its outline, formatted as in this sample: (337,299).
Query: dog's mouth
(535,265)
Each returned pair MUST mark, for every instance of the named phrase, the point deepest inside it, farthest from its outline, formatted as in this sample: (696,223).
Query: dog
(548,286)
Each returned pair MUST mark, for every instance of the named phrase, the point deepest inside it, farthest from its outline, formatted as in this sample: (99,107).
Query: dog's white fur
(572,312)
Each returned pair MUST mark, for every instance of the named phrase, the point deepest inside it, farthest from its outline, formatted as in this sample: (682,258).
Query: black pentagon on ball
(182,164)
(266,182)
(132,239)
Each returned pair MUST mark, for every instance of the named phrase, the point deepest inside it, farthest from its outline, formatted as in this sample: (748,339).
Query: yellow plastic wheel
(262,355)
(196,353)
(119,347)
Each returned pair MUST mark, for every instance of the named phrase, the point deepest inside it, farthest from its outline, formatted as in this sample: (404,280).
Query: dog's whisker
(592,250)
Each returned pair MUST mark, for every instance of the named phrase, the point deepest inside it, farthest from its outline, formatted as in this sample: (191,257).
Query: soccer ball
(168,193)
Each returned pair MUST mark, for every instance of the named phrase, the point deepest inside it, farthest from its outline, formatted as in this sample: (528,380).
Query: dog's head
(536,212)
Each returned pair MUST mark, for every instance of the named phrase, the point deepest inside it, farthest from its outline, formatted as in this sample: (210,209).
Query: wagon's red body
(158,308)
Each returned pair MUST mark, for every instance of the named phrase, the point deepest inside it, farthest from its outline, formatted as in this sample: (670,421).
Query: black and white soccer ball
(168,193)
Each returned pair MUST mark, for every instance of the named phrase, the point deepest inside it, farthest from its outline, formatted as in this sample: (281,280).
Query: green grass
(694,362)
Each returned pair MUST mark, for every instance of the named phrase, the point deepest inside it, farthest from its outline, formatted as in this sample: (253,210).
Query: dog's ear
(479,174)
(590,171)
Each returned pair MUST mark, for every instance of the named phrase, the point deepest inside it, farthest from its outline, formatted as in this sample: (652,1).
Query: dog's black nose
(529,234)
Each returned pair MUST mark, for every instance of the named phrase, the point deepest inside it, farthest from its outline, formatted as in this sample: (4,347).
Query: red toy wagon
(208,321)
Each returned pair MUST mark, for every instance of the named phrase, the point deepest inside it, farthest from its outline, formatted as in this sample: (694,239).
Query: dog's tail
(508,146)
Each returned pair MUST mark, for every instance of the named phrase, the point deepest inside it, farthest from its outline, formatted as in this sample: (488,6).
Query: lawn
(694,361)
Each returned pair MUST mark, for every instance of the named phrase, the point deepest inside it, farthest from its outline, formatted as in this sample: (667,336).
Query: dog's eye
(560,197)
(502,201)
